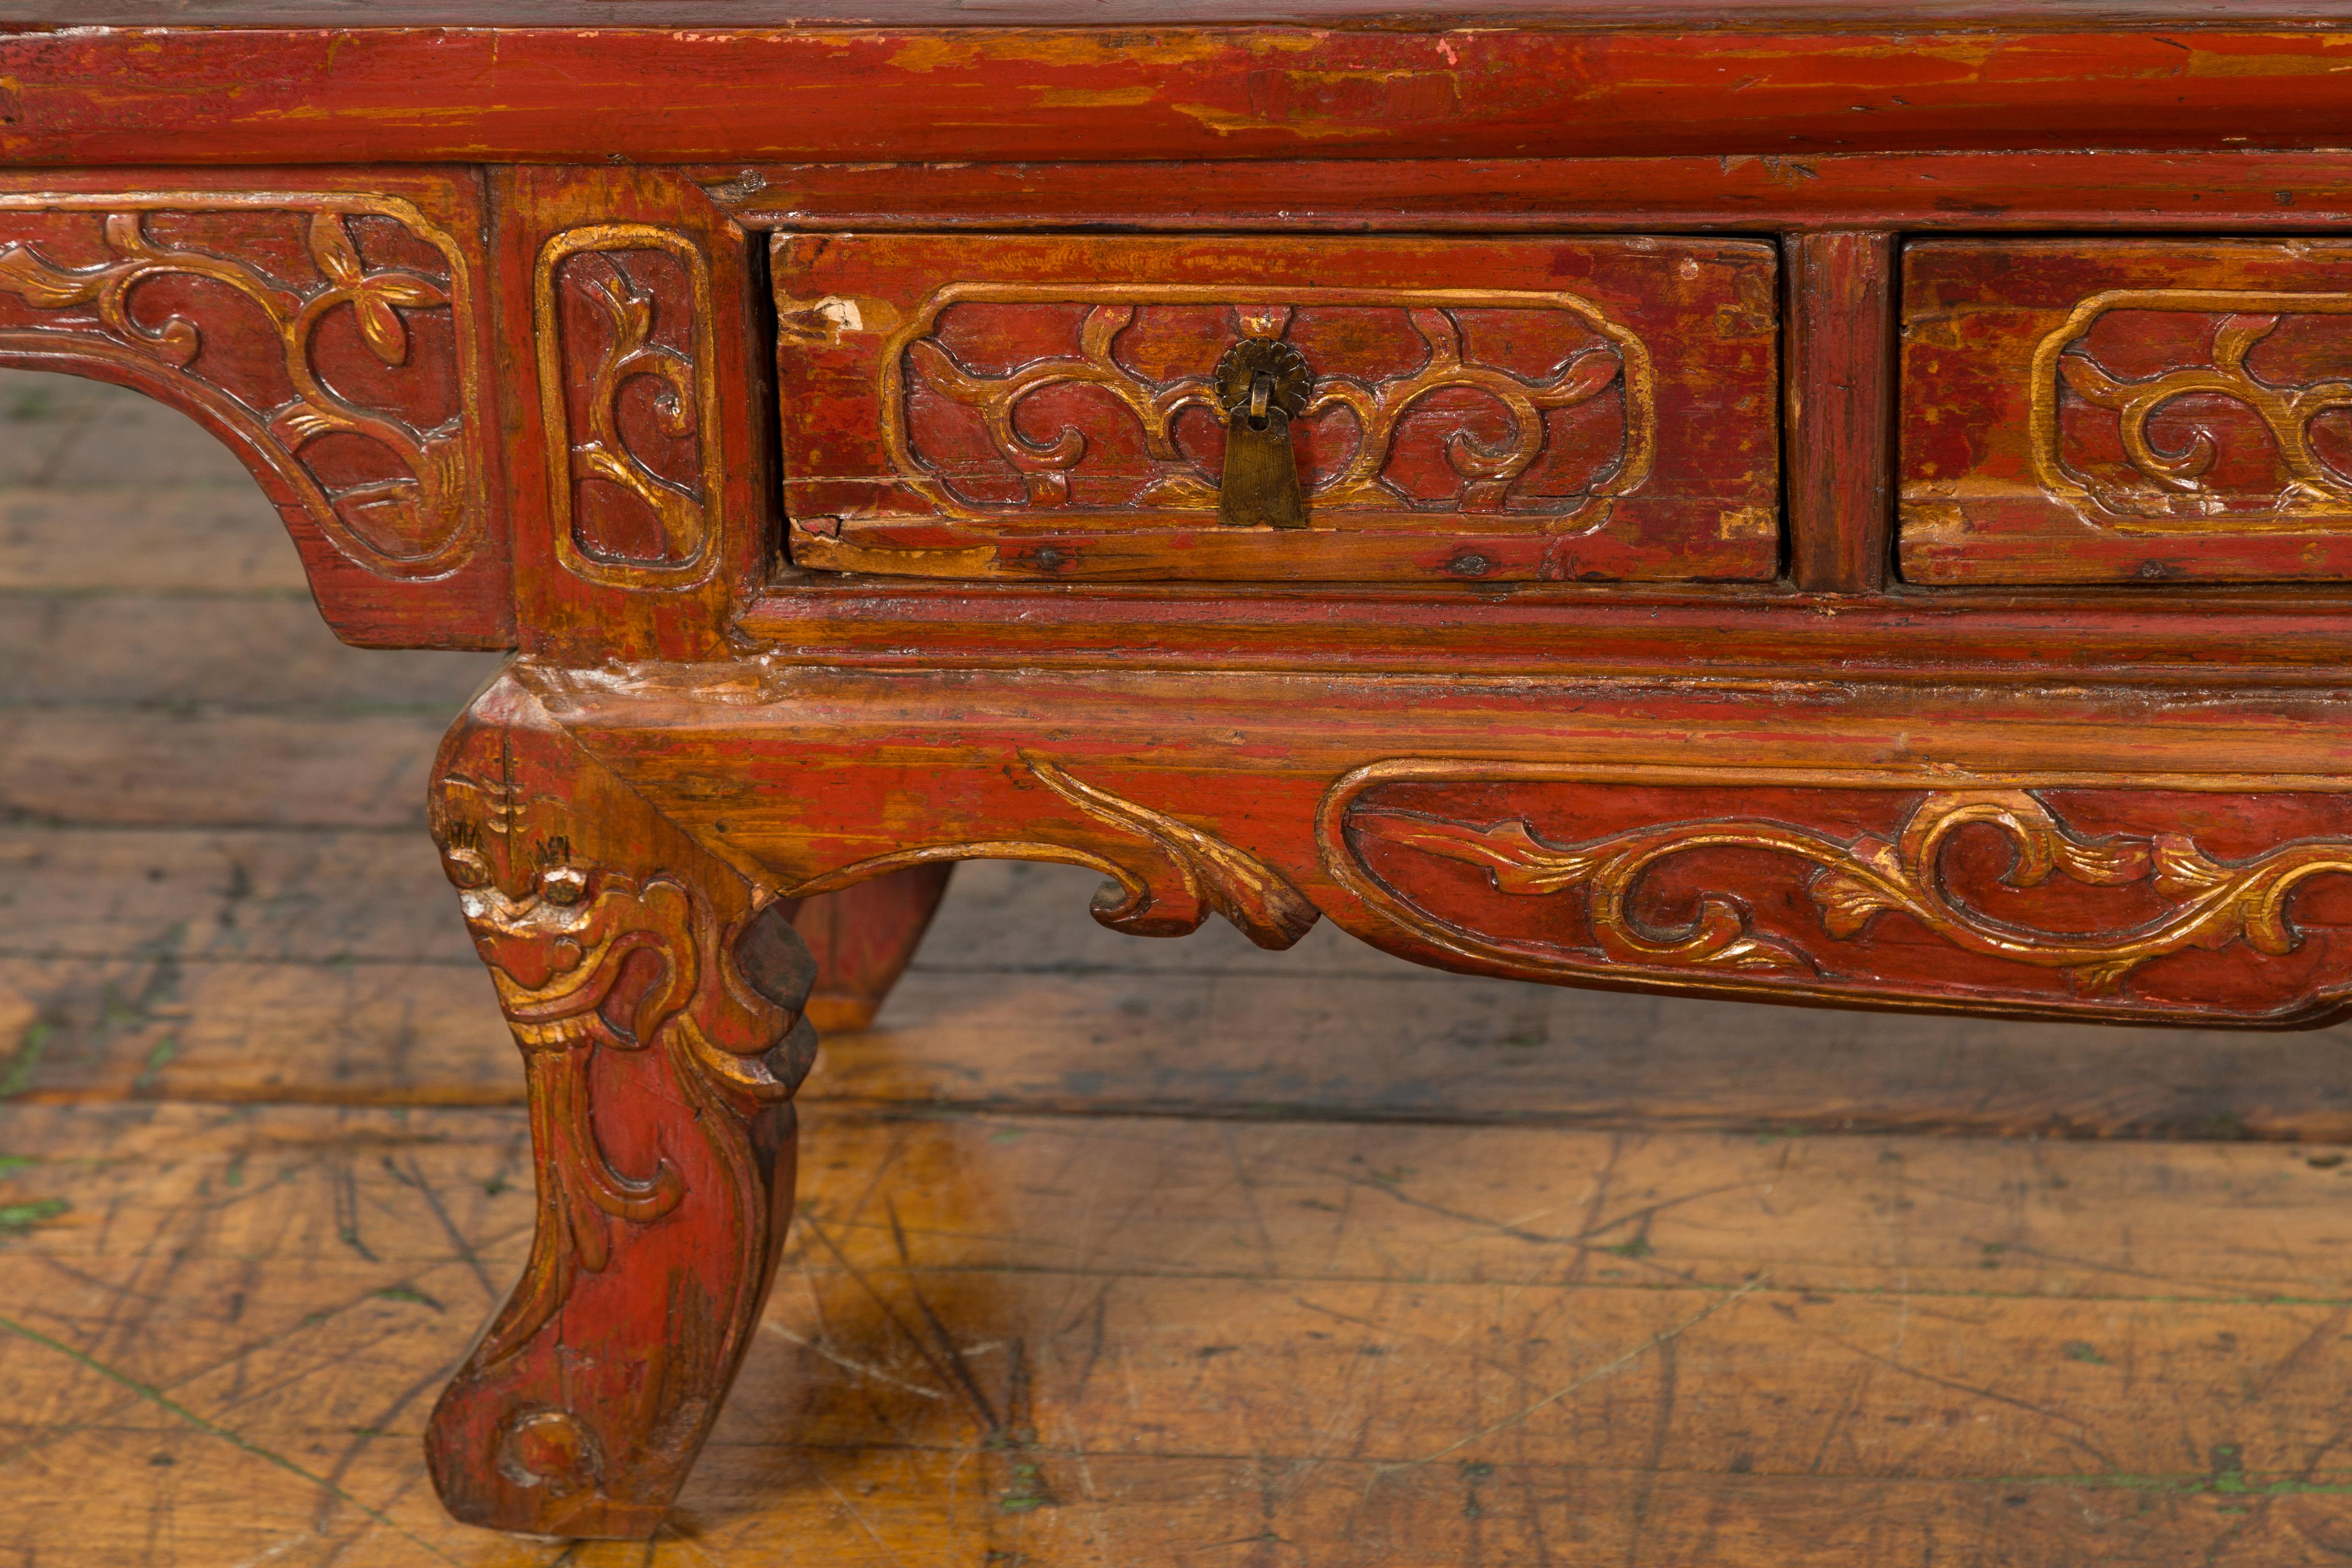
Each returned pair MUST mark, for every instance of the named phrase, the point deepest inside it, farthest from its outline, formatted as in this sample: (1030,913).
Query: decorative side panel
(1479,409)
(2124,898)
(629,390)
(330,339)
(2127,411)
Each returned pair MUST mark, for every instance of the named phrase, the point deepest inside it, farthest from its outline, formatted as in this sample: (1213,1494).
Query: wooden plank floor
(1110,1252)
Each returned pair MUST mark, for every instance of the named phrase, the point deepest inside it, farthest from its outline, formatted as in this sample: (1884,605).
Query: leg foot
(658,1010)
(863,937)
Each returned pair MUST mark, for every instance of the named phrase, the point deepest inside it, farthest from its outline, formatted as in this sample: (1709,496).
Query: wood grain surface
(2124,411)
(1475,410)
(1110,1251)
(1430,16)
(688,94)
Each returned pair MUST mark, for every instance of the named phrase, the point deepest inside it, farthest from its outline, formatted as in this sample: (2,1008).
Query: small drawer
(1027,406)
(2114,411)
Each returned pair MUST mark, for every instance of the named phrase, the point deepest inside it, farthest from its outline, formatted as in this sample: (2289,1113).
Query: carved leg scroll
(863,937)
(658,1010)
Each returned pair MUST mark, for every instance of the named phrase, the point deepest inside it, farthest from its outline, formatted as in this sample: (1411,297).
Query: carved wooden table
(1760,506)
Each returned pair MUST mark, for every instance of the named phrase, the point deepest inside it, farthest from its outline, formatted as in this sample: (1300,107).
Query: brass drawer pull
(1263,385)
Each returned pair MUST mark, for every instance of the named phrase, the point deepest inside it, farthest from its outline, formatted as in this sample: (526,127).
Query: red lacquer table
(1827,504)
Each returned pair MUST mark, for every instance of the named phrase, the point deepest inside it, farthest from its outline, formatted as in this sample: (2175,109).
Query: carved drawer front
(2127,411)
(992,406)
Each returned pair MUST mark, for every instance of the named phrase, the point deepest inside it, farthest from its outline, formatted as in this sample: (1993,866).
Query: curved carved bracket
(247,310)
(1699,884)
(1200,872)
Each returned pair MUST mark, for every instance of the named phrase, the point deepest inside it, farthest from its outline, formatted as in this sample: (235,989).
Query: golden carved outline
(1265,311)
(2313,498)
(582,925)
(446,486)
(1208,873)
(1715,952)
(689,523)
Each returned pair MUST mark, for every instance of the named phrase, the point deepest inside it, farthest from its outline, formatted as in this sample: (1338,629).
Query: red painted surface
(2231,190)
(2225,356)
(358,94)
(1656,456)
(331,330)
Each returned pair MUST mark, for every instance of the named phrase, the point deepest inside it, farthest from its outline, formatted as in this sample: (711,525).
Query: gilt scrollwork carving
(2211,904)
(382,463)
(629,390)
(1487,474)
(1202,873)
(1660,898)
(2146,453)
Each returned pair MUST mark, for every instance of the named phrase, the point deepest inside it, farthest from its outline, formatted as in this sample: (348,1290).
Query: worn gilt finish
(251,310)
(2159,490)
(1183,484)
(1814,503)
(657,1008)
(1049,424)
(2199,901)
(584,377)
(2127,410)
(1203,874)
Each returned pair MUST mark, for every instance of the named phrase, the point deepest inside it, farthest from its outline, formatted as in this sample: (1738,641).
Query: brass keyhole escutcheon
(1262,384)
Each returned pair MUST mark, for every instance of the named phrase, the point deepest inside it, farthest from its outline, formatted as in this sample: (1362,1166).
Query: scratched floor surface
(1111,1252)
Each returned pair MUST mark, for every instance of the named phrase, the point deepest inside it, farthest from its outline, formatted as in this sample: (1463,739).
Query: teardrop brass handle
(1263,385)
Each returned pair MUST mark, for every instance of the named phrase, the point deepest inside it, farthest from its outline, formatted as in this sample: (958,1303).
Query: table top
(1428,15)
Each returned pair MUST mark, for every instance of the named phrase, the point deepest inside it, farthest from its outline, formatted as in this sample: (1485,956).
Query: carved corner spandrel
(658,1006)
(1186,873)
(331,339)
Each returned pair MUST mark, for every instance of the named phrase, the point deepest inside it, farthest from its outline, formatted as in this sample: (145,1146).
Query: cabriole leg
(863,937)
(658,1010)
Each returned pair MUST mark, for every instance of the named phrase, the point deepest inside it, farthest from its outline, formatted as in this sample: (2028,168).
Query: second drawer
(2127,411)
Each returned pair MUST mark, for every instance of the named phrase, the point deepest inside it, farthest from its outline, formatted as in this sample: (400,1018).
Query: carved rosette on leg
(658,1010)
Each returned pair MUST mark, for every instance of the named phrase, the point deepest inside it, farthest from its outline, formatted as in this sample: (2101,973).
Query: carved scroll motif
(1979,895)
(2212,904)
(2150,453)
(628,380)
(381,462)
(1487,474)
(1204,873)
(657,1001)
(592,959)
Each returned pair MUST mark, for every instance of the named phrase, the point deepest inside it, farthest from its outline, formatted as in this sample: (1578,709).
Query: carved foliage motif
(985,412)
(2166,408)
(659,1014)
(628,382)
(593,959)
(1203,873)
(1643,902)
(363,402)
